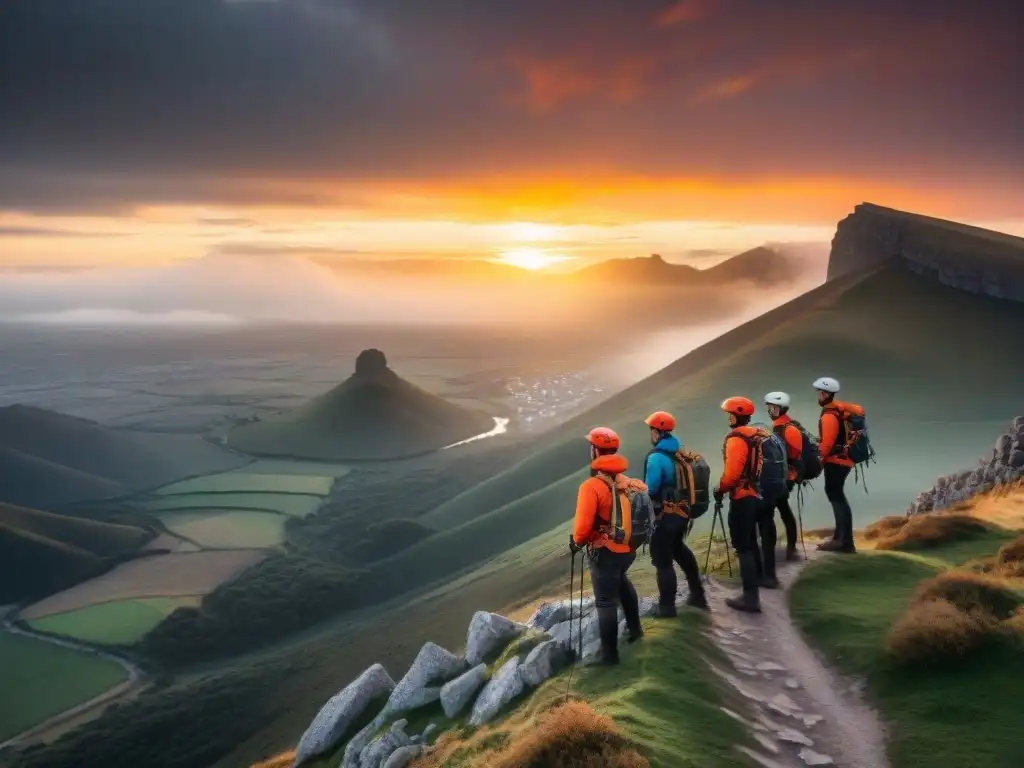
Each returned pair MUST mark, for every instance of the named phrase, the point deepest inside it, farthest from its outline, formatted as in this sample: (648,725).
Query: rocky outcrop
(489,633)
(960,256)
(432,668)
(456,694)
(1004,464)
(338,714)
(505,686)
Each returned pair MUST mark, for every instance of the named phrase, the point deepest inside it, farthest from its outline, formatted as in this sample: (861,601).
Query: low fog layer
(224,288)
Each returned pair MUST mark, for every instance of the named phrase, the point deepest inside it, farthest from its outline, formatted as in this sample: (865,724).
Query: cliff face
(957,255)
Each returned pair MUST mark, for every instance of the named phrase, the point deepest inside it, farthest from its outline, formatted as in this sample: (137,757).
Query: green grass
(293,505)
(969,712)
(121,622)
(240,529)
(41,680)
(252,482)
(290,467)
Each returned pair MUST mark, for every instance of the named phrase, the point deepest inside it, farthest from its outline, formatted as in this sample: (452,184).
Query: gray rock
(402,756)
(542,662)
(506,685)
(457,693)
(810,757)
(427,733)
(549,614)
(1016,459)
(488,633)
(356,745)
(433,666)
(337,715)
(380,749)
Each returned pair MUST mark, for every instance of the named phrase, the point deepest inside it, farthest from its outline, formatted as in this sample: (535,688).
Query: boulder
(1016,460)
(402,756)
(356,745)
(380,749)
(427,733)
(505,686)
(432,667)
(489,633)
(542,662)
(457,693)
(550,614)
(337,715)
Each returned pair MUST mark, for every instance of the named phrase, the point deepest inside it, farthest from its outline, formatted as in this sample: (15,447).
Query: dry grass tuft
(936,630)
(281,761)
(885,528)
(932,530)
(970,592)
(1010,559)
(569,735)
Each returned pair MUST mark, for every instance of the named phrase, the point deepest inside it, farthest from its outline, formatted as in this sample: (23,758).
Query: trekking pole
(572,577)
(725,536)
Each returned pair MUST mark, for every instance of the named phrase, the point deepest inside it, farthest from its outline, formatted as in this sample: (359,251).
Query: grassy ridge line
(26,479)
(242,482)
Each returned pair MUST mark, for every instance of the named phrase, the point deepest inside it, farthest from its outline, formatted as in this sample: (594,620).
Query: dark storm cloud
(111,102)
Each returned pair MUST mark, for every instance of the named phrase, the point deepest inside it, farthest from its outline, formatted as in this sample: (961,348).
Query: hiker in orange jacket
(740,482)
(836,464)
(778,409)
(609,560)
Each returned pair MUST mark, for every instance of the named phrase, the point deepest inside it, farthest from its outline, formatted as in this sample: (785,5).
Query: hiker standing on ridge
(739,480)
(833,446)
(609,560)
(778,409)
(668,543)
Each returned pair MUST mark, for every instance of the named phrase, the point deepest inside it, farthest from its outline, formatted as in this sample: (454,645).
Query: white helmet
(826,384)
(777,398)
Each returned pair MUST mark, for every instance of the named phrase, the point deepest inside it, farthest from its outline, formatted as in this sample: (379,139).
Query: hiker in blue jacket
(668,543)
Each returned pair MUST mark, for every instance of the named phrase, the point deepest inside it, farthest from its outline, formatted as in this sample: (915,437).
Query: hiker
(740,482)
(833,447)
(668,543)
(609,559)
(778,409)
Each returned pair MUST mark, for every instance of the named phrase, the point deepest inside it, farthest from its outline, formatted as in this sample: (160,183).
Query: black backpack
(809,466)
(767,462)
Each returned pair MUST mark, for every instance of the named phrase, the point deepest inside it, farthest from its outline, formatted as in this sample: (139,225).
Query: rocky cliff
(961,256)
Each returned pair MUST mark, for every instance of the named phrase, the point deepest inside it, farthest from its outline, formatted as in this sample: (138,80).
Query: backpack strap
(842,444)
(749,475)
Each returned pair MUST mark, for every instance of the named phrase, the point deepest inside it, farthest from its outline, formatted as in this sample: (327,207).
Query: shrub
(970,592)
(936,630)
(1010,559)
(921,531)
(885,528)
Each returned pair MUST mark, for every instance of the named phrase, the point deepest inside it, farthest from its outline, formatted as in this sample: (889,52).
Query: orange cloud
(681,12)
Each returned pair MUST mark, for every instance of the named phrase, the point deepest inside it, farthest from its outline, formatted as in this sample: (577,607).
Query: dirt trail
(87,709)
(802,713)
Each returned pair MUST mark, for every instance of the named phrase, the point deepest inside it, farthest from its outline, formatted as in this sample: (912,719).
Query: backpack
(633,519)
(691,496)
(767,462)
(853,441)
(810,465)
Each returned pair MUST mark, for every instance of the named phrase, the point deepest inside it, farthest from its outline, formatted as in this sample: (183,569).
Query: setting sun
(529,258)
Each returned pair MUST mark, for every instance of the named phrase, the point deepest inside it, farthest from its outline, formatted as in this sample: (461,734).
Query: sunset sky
(145,131)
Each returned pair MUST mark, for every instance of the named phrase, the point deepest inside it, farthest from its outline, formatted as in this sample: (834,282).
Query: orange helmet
(661,420)
(604,439)
(738,406)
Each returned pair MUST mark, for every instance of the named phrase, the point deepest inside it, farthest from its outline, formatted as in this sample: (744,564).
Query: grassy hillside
(943,671)
(374,414)
(41,553)
(56,458)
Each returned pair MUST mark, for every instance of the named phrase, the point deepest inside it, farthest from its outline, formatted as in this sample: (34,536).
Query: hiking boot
(791,553)
(664,611)
(698,600)
(632,635)
(768,582)
(602,660)
(748,602)
(832,545)
(846,549)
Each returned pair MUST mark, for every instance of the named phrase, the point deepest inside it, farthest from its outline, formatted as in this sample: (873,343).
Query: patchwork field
(250,482)
(289,467)
(241,529)
(41,680)
(121,622)
(291,504)
(182,574)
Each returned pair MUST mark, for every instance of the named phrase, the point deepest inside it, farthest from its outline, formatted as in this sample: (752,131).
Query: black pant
(788,519)
(835,478)
(668,545)
(743,514)
(766,528)
(612,588)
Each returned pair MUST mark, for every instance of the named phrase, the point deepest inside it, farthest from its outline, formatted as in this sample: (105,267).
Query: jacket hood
(610,464)
(668,443)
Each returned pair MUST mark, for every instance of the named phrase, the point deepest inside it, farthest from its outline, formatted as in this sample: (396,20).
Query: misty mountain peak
(371,362)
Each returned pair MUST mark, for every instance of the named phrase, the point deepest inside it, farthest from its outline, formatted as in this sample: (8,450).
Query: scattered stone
(506,685)
(489,633)
(457,693)
(381,748)
(354,749)
(783,701)
(338,714)
(428,732)
(733,715)
(792,683)
(542,662)
(550,614)
(810,757)
(767,743)
(770,666)
(763,760)
(402,756)
(794,736)
(433,666)
(811,720)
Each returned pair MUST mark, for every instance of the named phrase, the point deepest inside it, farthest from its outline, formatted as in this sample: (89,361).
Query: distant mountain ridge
(372,415)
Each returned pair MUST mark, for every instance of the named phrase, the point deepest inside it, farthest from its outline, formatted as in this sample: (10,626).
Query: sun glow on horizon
(531,259)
